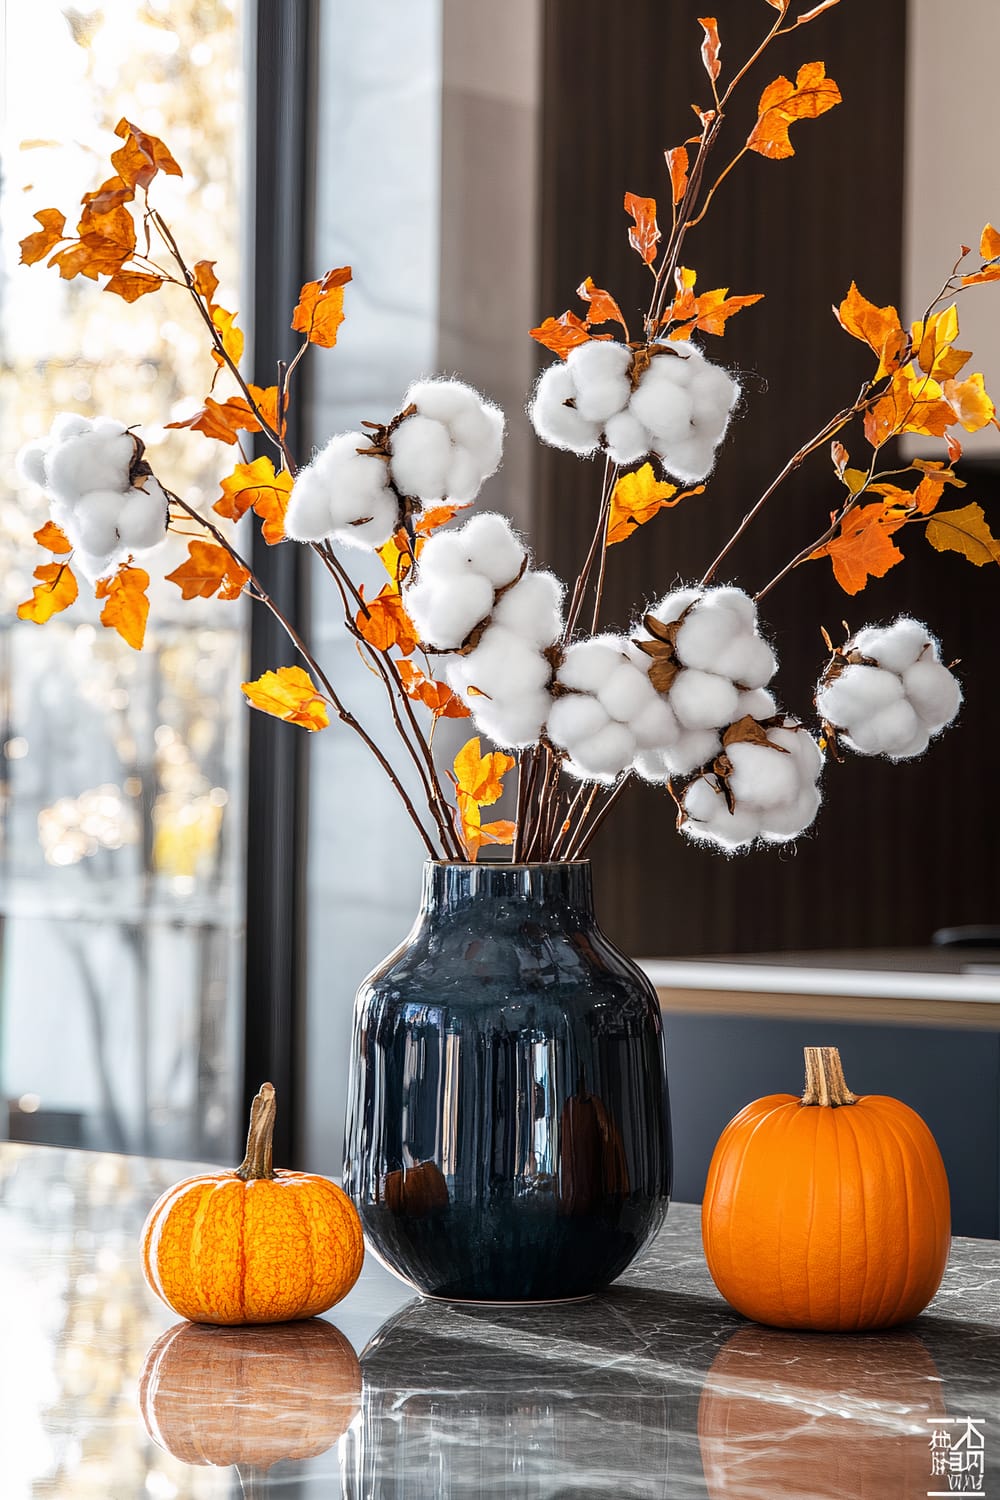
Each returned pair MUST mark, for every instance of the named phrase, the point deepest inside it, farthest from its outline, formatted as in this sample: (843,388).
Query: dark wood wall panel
(893,856)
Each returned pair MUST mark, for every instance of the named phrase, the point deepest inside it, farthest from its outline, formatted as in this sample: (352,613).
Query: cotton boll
(600,373)
(481,432)
(703,700)
(692,749)
(532,609)
(651,766)
(858,693)
(444,555)
(382,512)
(803,749)
(757,702)
(556,423)
(897,646)
(783,823)
(96,521)
(626,438)
(689,461)
(421,457)
(748,661)
(655,726)
(626,693)
(886,732)
(762,777)
(445,612)
(501,666)
(933,692)
(706,633)
(606,753)
(588,665)
(736,601)
(30,463)
(93,461)
(574,718)
(475,426)
(710,819)
(511,722)
(68,424)
(142,519)
(913,747)
(673,605)
(662,403)
(308,517)
(464,478)
(493,548)
(441,400)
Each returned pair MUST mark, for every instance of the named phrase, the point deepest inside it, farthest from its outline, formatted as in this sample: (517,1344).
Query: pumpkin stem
(260,1137)
(825,1082)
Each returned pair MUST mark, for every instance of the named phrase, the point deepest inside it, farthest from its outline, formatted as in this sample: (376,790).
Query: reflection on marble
(655,1389)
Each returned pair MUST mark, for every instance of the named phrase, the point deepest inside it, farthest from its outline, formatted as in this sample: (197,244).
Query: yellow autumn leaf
(970,403)
(289,694)
(965,531)
(55,591)
(637,498)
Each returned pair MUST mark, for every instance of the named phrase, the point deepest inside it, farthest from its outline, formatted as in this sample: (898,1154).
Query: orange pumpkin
(417,1190)
(829,1211)
(226,1396)
(795,1413)
(254,1245)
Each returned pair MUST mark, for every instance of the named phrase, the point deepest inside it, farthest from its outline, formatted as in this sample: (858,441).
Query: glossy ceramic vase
(508,1132)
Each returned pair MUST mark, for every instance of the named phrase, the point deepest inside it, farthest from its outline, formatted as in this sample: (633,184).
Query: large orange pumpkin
(253,1245)
(785,1414)
(829,1211)
(249,1396)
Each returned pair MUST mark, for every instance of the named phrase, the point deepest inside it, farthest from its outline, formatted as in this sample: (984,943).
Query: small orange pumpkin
(254,1245)
(829,1211)
(224,1396)
(785,1414)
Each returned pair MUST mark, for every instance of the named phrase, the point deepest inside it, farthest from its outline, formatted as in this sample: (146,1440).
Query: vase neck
(451,887)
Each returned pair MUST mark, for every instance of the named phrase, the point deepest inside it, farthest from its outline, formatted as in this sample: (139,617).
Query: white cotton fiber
(142,519)
(673,605)
(600,376)
(96,460)
(343,493)
(446,612)
(607,753)
(706,633)
(30,463)
(511,722)
(96,521)
(501,666)
(68,424)
(493,548)
(463,478)
(748,660)
(692,749)
(772,788)
(556,423)
(703,700)
(587,665)
(933,691)
(421,458)
(757,702)
(573,718)
(532,609)
(627,439)
(655,725)
(894,708)
(662,402)
(627,692)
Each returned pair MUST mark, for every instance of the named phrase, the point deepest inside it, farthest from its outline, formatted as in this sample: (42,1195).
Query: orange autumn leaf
(231,336)
(912,403)
(713,310)
(265,400)
(396,557)
(221,420)
(320,308)
(636,499)
(970,403)
(289,694)
(989,250)
(475,834)
(106,241)
(603,307)
(784,102)
(387,624)
(35,247)
(256,486)
(562,334)
(53,538)
(55,591)
(481,776)
(206,283)
(930,489)
(210,572)
(644,233)
(439,515)
(864,547)
(127,606)
(111,194)
(141,157)
(437,696)
(131,285)
(710,46)
(878,327)
(677,166)
(932,343)
(965,531)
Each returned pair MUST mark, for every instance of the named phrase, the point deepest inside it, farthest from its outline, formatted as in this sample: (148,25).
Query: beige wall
(953,170)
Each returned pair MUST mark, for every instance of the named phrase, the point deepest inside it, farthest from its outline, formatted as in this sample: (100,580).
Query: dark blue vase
(508,1132)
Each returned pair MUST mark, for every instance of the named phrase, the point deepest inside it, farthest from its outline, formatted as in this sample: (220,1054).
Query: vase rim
(499,864)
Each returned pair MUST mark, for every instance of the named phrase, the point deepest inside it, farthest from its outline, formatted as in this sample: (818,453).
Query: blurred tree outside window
(121,774)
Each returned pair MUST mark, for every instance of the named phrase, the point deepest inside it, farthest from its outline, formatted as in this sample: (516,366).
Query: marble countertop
(655,1389)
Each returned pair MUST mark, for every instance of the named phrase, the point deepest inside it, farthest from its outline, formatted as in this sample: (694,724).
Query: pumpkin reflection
(592,1165)
(785,1413)
(249,1396)
(417,1190)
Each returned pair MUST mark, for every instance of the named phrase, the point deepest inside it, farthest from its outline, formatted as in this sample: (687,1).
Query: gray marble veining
(656,1389)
